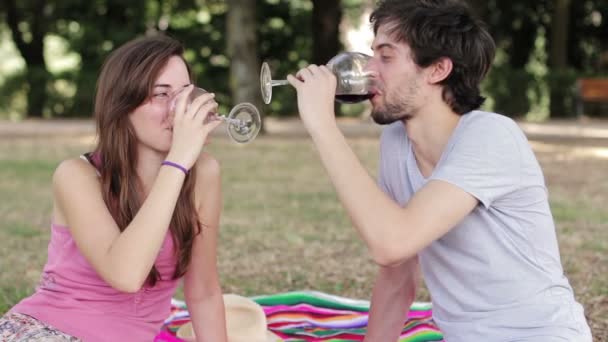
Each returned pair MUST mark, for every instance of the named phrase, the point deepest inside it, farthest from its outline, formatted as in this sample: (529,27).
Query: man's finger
(314,69)
(296,83)
(304,74)
(325,70)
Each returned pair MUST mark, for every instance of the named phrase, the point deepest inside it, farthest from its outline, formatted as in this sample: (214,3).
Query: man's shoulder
(489,121)
(490,128)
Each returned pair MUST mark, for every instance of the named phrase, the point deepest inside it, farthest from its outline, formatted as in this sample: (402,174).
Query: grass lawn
(282,226)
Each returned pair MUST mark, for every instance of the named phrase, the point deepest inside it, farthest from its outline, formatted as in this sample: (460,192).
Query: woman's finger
(200,101)
(200,116)
(181,102)
(210,126)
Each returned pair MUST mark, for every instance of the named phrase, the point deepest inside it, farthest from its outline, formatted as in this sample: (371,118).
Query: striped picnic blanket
(306,316)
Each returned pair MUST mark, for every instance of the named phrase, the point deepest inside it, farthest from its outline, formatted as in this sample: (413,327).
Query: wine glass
(243,122)
(354,82)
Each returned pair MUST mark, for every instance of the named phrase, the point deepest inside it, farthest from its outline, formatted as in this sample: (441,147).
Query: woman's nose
(170,110)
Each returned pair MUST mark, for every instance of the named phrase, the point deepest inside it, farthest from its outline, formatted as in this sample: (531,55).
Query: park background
(282,227)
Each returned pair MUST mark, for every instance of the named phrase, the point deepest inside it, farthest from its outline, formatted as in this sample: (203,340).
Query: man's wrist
(324,131)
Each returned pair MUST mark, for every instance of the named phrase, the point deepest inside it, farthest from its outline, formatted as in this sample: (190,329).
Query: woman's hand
(191,127)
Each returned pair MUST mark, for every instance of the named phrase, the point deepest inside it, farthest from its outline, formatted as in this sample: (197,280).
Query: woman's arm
(201,284)
(124,259)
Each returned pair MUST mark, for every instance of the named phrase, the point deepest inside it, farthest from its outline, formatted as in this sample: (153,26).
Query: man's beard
(400,110)
(391,113)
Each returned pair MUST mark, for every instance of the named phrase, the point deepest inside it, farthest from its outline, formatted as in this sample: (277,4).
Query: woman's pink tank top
(74,299)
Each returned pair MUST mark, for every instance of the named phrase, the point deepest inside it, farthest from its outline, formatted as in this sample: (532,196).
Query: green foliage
(517,27)
(91,30)
(508,88)
(12,92)
(562,85)
(284,40)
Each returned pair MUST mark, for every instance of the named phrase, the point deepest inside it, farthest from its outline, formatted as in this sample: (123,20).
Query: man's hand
(316,87)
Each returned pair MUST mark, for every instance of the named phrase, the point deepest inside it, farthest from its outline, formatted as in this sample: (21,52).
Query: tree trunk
(326,18)
(559,34)
(243,53)
(558,61)
(32,52)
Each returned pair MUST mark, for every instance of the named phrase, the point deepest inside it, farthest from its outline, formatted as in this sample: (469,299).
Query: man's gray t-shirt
(497,275)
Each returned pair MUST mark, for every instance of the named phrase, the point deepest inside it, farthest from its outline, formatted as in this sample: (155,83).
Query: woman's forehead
(175,73)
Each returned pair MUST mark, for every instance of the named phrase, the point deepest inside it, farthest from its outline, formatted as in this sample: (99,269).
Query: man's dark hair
(442,28)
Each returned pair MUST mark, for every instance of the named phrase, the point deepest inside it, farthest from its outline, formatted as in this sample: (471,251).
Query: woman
(136,215)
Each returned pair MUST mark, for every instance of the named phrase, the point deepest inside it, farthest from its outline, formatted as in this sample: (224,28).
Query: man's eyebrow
(383,45)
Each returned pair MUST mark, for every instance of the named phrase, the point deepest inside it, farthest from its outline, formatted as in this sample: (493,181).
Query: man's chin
(382,118)
(385,118)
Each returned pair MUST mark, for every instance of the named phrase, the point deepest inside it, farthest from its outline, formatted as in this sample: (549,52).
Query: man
(460,191)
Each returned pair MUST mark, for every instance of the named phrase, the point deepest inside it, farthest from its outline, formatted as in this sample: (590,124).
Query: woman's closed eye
(160,95)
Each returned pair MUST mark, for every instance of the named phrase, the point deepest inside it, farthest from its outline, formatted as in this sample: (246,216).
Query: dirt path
(593,132)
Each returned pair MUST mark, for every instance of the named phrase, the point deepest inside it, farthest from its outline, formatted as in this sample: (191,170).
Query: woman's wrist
(175,165)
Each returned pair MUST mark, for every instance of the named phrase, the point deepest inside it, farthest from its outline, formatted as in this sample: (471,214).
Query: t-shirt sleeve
(485,160)
(382,177)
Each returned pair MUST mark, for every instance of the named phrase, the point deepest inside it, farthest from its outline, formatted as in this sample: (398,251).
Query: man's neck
(429,131)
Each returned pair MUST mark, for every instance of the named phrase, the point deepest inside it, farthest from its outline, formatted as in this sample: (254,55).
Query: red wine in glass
(348,98)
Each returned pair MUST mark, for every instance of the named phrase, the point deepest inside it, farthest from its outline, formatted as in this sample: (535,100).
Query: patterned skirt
(16,327)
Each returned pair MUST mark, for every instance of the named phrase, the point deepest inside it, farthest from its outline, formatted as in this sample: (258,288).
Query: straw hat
(245,322)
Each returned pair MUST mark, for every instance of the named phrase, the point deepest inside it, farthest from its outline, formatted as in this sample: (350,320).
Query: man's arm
(391,233)
(393,294)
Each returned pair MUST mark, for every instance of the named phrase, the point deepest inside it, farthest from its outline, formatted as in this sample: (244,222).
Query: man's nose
(371,68)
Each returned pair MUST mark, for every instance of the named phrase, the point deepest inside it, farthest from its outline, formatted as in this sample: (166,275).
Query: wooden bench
(590,90)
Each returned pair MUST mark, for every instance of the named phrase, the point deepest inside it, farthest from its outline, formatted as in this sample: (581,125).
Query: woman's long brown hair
(126,81)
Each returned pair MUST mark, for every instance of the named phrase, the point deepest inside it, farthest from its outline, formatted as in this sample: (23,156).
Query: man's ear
(440,70)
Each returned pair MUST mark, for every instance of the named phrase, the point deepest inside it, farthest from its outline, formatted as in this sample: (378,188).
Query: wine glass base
(266,83)
(250,123)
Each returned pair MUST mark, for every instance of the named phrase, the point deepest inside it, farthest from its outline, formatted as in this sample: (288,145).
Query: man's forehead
(381,42)
(384,38)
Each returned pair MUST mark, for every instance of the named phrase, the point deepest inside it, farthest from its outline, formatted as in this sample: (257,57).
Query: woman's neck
(148,166)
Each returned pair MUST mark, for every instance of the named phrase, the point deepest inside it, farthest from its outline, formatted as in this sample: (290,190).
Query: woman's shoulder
(208,180)
(73,169)
(208,166)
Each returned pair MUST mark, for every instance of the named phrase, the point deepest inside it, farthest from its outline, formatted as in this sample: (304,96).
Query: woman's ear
(440,70)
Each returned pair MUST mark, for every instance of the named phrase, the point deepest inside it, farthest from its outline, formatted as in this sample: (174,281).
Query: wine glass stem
(236,122)
(275,83)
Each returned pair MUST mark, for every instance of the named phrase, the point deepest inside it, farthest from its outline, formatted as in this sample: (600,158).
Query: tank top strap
(89,158)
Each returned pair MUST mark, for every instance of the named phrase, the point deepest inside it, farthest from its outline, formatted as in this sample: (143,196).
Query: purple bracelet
(176,165)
